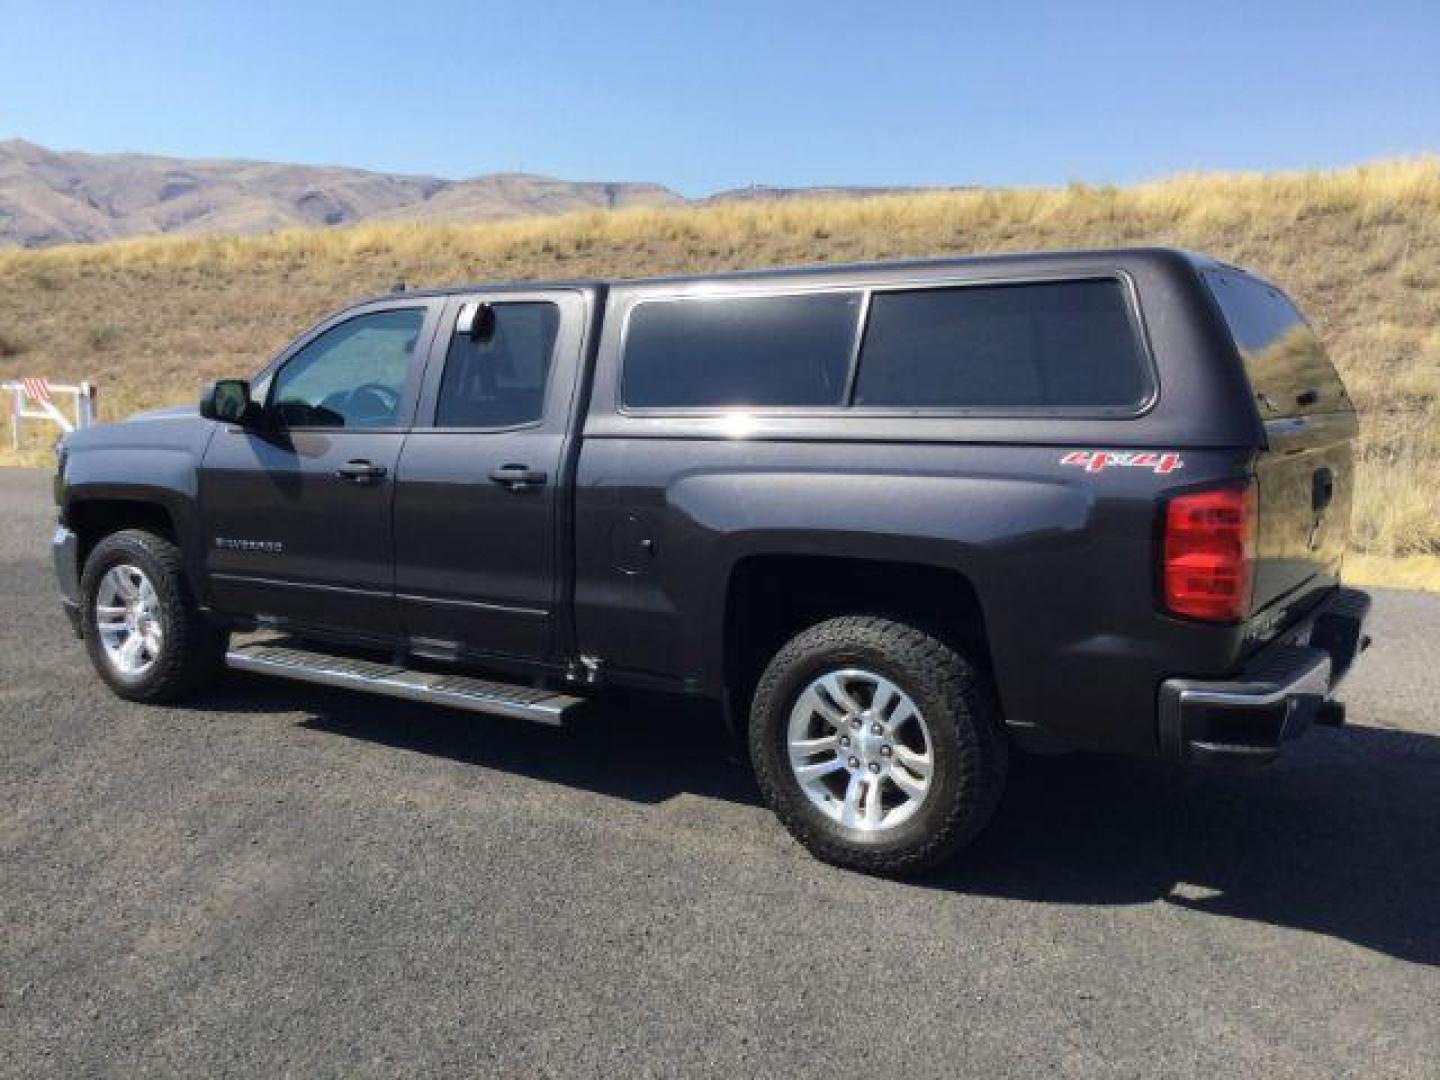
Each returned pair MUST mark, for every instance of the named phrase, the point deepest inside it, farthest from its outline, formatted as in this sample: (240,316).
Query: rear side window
(1060,345)
(1287,366)
(766,351)
(500,382)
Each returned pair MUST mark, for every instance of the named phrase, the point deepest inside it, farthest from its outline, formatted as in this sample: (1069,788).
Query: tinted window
(353,375)
(777,351)
(1040,346)
(500,381)
(1287,365)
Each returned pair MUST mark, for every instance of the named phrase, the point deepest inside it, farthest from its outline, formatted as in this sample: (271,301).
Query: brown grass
(1359,248)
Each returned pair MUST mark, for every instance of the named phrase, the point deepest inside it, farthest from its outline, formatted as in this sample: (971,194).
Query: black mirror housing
(228,401)
(477,322)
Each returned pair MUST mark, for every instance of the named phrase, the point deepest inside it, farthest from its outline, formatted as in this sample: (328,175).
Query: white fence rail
(34,399)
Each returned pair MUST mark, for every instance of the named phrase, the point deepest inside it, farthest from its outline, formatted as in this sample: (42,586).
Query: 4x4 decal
(1162,462)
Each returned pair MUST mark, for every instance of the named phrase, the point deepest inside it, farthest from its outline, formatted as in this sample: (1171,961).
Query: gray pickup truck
(896,520)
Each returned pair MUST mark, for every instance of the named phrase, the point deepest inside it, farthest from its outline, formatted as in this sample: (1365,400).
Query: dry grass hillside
(1359,248)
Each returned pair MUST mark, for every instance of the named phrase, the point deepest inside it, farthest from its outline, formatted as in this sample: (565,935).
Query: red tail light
(1209,553)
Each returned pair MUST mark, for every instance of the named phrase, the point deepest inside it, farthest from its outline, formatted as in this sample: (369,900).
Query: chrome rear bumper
(1275,698)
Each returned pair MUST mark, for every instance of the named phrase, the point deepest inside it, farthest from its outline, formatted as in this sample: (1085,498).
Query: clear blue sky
(704,96)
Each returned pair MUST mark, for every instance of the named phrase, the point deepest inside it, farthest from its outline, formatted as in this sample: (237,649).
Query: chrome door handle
(361,471)
(518,477)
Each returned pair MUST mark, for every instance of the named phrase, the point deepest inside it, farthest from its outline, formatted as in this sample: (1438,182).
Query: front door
(476,533)
(299,509)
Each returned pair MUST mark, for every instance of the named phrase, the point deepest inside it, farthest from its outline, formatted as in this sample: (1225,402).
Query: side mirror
(228,401)
(477,322)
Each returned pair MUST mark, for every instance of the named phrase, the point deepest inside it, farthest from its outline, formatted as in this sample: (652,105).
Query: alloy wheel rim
(127,617)
(860,749)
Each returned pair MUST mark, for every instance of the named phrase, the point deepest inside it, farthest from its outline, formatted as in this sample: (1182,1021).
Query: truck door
(298,510)
(478,542)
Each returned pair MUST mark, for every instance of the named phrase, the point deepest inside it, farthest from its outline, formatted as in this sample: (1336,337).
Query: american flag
(37,390)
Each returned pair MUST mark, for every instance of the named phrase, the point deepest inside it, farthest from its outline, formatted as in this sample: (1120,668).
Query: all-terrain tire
(969,750)
(192,650)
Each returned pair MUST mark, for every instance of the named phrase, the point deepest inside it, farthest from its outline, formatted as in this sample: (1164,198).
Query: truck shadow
(1342,838)
(639,748)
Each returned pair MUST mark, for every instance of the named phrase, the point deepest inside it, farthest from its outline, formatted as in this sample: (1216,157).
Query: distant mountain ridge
(766,193)
(52,197)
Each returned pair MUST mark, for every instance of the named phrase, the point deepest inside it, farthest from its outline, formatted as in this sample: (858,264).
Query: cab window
(499,381)
(351,376)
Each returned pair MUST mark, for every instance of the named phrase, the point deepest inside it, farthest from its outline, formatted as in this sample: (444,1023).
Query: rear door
(478,547)
(1306,472)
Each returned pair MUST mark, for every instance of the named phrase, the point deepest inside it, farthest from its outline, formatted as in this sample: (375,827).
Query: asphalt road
(287,881)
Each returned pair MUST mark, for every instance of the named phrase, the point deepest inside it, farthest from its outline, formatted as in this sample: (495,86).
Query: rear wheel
(145,636)
(877,744)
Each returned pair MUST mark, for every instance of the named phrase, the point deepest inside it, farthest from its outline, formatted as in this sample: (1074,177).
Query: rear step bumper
(367,676)
(1275,698)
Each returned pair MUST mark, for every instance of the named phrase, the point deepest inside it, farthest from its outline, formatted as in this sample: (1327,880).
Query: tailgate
(1305,478)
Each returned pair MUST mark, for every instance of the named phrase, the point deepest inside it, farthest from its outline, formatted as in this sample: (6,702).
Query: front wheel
(877,745)
(143,631)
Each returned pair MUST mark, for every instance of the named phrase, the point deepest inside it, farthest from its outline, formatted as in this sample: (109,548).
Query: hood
(170,412)
(176,426)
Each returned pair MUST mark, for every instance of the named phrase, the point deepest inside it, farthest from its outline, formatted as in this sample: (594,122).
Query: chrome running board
(369,677)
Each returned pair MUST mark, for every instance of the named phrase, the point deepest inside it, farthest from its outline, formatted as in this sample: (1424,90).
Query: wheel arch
(770,597)
(94,512)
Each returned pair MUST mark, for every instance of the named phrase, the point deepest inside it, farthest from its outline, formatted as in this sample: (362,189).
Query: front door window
(351,376)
